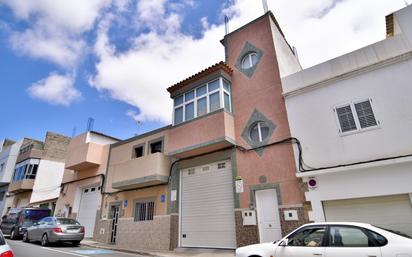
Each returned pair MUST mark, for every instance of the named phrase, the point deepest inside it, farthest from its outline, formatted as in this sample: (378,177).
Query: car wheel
(76,243)
(13,234)
(26,237)
(44,240)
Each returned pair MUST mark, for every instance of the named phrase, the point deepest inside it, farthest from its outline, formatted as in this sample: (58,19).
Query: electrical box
(291,215)
(249,218)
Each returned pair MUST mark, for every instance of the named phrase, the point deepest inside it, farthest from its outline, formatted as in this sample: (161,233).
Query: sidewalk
(179,252)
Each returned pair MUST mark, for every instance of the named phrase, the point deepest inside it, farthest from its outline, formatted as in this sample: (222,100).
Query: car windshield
(36,215)
(399,233)
(67,222)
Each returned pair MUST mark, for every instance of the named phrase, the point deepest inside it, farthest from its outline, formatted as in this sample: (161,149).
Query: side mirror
(284,242)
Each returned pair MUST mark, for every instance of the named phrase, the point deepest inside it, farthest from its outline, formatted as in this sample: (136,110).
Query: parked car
(18,220)
(53,230)
(334,240)
(5,250)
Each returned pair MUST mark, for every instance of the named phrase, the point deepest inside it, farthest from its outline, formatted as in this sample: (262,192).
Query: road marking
(69,253)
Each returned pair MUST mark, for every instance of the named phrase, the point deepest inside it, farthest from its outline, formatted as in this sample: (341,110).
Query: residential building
(80,195)
(8,155)
(38,172)
(223,174)
(352,116)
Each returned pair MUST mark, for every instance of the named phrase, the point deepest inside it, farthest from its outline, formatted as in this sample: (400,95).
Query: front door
(268,215)
(115,214)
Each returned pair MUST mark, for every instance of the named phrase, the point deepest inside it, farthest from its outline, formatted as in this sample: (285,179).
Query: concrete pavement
(92,249)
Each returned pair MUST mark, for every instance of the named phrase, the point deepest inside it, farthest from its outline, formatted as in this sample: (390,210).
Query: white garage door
(207,207)
(89,202)
(392,212)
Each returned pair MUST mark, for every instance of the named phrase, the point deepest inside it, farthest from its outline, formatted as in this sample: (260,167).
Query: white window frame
(249,57)
(259,131)
(355,117)
(221,91)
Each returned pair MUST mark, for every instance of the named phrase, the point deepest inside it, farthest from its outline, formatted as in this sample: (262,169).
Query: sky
(65,61)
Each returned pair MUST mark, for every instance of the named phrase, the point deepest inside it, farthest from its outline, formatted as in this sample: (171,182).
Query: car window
(67,222)
(399,233)
(380,240)
(36,214)
(309,237)
(2,240)
(340,236)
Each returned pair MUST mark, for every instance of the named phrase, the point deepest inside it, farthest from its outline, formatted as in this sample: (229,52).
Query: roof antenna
(226,25)
(265,6)
(90,123)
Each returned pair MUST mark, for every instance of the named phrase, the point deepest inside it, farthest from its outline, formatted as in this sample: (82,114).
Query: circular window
(249,60)
(259,131)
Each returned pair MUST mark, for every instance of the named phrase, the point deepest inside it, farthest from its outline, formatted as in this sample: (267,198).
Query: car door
(307,242)
(37,230)
(351,241)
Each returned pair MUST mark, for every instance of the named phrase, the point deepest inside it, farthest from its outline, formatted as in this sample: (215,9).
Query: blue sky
(63,61)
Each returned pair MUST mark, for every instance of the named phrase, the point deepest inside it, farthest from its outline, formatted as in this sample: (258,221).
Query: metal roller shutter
(207,207)
(392,212)
(89,203)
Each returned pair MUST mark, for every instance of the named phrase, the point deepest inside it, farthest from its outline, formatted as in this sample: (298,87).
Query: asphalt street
(22,249)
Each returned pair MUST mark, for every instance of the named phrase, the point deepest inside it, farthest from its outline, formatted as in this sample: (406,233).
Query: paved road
(22,249)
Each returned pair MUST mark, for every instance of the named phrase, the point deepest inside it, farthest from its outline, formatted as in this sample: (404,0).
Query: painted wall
(48,179)
(314,122)
(380,180)
(8,157)
(262,92)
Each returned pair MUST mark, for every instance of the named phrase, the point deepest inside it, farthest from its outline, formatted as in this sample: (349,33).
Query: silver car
(52,230)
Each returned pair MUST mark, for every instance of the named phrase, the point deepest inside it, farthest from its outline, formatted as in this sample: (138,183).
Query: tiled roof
(218,66)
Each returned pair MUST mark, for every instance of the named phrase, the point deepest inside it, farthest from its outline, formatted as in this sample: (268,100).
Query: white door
(392,212)
(207,206)
(89,203)
(268,215)
(350,241)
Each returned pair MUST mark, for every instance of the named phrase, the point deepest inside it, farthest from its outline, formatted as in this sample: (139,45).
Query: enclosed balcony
(148,170)
(84,156)
(205,134)
(21,186)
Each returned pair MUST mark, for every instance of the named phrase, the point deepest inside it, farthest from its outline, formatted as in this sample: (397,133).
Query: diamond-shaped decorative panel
(254,118)
(248,48)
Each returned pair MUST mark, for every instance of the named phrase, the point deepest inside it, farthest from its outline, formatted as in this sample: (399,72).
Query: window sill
(358,131)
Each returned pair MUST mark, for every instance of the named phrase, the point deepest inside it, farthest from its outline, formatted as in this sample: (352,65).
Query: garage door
(392,212)
(207,207)
(89,203)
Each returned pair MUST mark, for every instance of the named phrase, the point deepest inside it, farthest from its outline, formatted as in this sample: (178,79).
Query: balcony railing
(152,169)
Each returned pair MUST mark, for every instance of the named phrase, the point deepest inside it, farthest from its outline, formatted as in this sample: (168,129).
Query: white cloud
(55,89)
(58,48)
(56,27)
(321,29)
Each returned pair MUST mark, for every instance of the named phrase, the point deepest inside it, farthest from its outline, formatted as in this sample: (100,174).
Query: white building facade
(353,118)
(8,154)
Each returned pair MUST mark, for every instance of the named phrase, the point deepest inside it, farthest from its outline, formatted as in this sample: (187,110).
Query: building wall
(272,167)
(55,147)
(375,180)
(8,157)
(314,122)
(48,179)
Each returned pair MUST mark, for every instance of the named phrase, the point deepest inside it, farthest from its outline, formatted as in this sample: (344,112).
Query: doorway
(268,215)
(115,218)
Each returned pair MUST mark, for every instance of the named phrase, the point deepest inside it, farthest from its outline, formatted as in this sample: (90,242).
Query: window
(32,171)
(207,98)
(144,211)
(138,151)
(348,237)
(249,60)
(259,131)
(2,194)
(156,147)
(308,237)
(356,116)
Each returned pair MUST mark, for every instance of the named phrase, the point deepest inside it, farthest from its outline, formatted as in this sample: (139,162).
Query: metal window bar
(346,119)
(365,114)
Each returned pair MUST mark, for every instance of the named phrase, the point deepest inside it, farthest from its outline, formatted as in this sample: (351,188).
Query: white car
(335,239)
(5,250)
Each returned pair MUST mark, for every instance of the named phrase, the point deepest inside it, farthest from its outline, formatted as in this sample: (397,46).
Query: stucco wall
(48,179)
